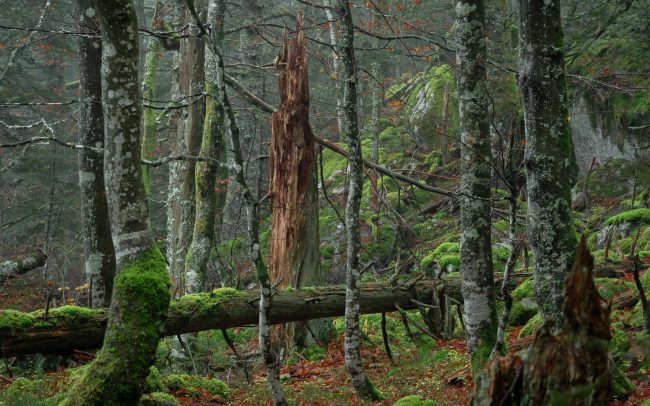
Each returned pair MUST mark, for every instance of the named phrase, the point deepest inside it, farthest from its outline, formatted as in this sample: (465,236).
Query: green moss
(193,386)
(635,216)
(414,400)
(11,320)
(621,385)
(222,293)
(609,287)
(157,398)
(28,392)
(154,382)
(449,262)
(446,248)
(427,261)
(140,300)
(520,313)
(620,341)
(531,326)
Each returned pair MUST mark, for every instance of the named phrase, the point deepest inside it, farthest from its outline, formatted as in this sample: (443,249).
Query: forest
(324,202)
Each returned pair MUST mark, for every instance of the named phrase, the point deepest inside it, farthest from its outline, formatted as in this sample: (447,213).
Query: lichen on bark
(475,199)
(549,157)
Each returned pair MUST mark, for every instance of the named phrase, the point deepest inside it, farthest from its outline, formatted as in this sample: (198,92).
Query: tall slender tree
(475,204)
(352,344)
(141,290)
(549,157)
(209,198)
(96,228)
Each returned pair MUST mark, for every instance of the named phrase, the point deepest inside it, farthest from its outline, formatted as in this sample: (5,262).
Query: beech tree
(96,228)
(141,289)
(475,199)
(549,157)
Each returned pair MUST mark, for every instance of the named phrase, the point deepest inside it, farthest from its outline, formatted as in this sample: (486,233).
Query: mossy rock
(636,216)
(531,326)
(446,248)
(154,381)
(414,400)
(192,386)
(523,303)
(615,179)
(158,399)
(450,262)
(621,385)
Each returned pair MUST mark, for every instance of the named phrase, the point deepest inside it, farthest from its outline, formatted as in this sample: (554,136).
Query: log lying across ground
(70,328)
(10,269)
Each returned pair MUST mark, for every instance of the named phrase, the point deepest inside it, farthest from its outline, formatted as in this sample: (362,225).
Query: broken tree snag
(73,328)
(294,256)
(570,368)
(11,269)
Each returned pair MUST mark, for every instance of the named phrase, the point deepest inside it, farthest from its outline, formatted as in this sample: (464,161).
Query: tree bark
(475,199)
(141,289)
(294,254)
(333,29)
(151,59)
(190,128)
(352,344)
(209,195)
(549,157)
(99,253)
(206,311)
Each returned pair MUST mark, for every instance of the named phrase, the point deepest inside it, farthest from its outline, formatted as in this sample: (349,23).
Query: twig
(384,335)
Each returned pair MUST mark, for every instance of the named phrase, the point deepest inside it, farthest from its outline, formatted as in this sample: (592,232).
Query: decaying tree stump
(570,368)
(294,255)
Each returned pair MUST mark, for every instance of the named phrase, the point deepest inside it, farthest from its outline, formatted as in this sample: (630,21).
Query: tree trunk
(337,72)
(294,255)
(549,157)
(141,289)
(475,199)
(568,369)
(190,127)
(376,100)
(226,308)
(352,344)
(209,195)
(99,253)
(152,57)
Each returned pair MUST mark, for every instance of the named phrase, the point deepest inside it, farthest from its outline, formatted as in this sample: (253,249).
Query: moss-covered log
(73,328)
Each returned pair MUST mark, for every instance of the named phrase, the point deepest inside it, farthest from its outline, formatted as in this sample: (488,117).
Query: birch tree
(352,345)
(549,157)
(99,253)
(141,289)
(475,207)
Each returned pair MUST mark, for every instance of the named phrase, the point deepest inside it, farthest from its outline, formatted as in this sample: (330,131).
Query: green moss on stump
(414,400)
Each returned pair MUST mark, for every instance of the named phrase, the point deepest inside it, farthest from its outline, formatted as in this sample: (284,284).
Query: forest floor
(436,370)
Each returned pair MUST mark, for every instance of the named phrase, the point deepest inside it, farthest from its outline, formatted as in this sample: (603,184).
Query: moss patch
(414,400)
(194,386)
(531,326)
(636,216)
(158,398)
(11,320)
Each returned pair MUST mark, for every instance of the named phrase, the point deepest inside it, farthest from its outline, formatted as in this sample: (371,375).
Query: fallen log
(70,328)
(11,269)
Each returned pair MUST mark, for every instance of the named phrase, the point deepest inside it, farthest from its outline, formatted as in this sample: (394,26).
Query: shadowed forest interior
(325,202)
